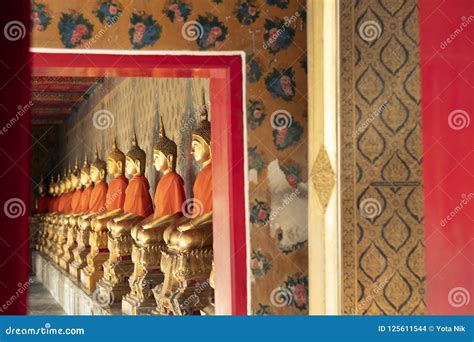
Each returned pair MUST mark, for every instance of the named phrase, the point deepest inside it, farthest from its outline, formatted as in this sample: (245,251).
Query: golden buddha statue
(97,239)
(137,206)
(83,231)
(47,235)
(59,224)
(37,221)
(71,225)
(148,234)
(53,232)
(187,259)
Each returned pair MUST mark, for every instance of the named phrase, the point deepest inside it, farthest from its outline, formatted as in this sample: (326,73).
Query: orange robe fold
(76,201)
(98,195)
(43,204)
(65,205)
(60,205)
(137,197)
(169,195)
(116,194)
(203,191)
(51,204)
(85,199)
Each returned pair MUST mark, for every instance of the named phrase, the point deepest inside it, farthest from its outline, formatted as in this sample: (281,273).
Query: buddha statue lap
(62,218)
(119,266)
(187,258)
(51,226)
(71,224)
(38,221)
(97,239)
(82,233)
(148,235)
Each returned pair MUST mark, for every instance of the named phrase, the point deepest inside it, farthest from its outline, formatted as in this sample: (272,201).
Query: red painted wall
(447,69)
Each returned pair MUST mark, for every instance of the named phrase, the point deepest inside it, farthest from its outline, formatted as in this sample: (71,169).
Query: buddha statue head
(57,186)
(116,161)
(68,180)
(165,152)
(85,172)
(41,187)
(76,176)
(201,143)
(135,159)
(98,168)
(51,187)
(62,183)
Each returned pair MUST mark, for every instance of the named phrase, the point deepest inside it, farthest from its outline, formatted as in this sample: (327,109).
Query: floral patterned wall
(272,35)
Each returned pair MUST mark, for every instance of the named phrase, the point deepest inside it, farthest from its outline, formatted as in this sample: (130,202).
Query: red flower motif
(285,83)
(262,214)
(140,27)
(34,15)
(292,180)
(113,10)
(281,135)
(174,7)
(257,114)
(255,264)
(216,31)
(81,29)
(252,11)
(40,28)
(300,295)
(210,40)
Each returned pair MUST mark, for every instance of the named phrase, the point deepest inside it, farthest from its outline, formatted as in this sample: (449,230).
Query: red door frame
(226,93)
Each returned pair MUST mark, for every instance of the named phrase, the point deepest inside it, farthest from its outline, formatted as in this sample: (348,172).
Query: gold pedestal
(146,276)
(119,267)
(98,254)
(82,250)
(186,288)
(70,244)
(61,238)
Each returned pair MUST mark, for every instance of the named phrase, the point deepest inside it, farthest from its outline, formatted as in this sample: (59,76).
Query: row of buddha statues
(122,248)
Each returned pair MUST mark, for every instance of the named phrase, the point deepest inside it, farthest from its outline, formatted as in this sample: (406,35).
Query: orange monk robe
(85,199)
(76,201)
(116,194)
(65,206)
(43,204)
(203,191)
(169,195)
(51,204)
(60,204)
(137,197)
(97,202)
(56,203)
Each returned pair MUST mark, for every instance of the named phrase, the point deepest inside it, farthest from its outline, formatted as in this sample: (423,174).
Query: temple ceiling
(55,98)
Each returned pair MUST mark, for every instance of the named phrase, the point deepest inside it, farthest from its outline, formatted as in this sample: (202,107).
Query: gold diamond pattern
(323,177)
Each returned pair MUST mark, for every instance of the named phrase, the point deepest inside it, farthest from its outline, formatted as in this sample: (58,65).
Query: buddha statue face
(68,184)
(51,189)
(132,167)
(41,189)
(75,181)
(97,175)
(115,168)
(62,187)
(161,162)
(200,150)
(85,178)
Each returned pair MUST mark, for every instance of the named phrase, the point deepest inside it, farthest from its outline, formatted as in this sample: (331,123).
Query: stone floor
(40,301)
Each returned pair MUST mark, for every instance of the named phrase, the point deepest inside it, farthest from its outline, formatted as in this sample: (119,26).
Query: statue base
(114,284)
(99,253)
(80,254)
